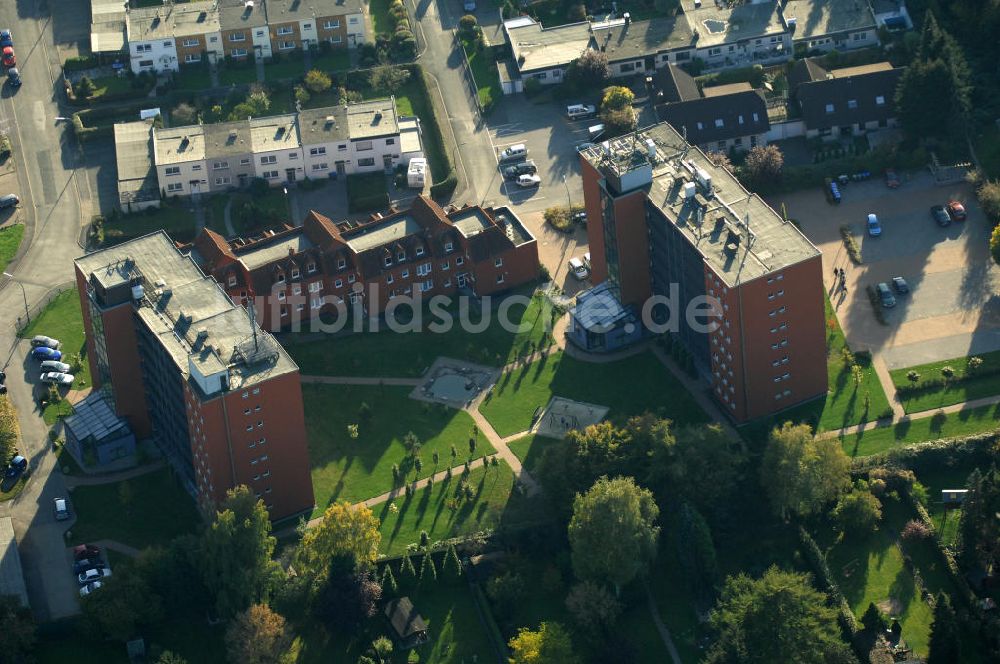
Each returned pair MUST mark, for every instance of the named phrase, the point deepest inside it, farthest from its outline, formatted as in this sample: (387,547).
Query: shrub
(467,25)
(850,244)
(79,62)
(915,530)
(84,88)
(317,81)
(184,114)
(989,198)
(445,187)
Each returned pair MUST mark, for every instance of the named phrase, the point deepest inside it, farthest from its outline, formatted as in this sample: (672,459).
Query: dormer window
(448,246)
(311,268)
(401,256)
(295,273)
(420,251)
(341,264)
(232,280)
(388,261)
(280,278)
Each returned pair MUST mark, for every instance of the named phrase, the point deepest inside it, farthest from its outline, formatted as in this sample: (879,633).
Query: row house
(317,143)
(300,273)
(163,38)
(244,29)
(295,24)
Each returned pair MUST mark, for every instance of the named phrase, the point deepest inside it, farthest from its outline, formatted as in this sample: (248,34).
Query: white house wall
(283,160)
(192,176)
(153,55)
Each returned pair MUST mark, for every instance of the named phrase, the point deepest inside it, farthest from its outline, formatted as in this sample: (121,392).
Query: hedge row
(935,384)
(80,62)
(446,187)
(921,457)
(845,617)
(370,202)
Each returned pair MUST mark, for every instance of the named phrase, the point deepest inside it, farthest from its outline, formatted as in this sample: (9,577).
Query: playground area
(561,415)
(454,382)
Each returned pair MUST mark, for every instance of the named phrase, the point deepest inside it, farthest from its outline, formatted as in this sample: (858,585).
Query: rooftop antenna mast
(252,314)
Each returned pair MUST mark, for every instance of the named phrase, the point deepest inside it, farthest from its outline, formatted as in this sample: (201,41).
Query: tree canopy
(550,644)
(779,617)
(979,528)
(237,551)
(343,529)
(589,71)
(17,631)
(801,474)
(612,533)
(616,97)
(945,644)
(257,636)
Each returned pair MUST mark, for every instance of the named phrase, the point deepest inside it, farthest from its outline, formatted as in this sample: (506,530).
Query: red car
(956,211)
(85,551)
(891,179)
(8,57)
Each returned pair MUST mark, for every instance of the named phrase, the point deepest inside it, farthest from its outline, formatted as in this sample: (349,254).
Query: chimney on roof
(628,19)
(291,251)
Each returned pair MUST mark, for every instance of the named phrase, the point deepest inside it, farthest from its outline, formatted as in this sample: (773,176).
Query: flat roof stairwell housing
(188,368)
(667,222)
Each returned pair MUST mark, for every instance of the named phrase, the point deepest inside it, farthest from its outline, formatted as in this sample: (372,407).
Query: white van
(512,152)
(580,111)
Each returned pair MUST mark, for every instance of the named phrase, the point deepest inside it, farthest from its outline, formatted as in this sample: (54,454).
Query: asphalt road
(51,208)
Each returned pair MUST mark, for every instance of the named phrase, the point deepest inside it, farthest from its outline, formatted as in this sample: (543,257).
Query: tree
(612,534)
(169,657)
(467,25)
(237,550)
(184,114)
(979,528)
(702,463)
(589,71)
(616,97)
(763,164)
(720,159)
(695,552)
(257,635)
(779,617)
(17,631)
(257,103)
(551,644)
(801,474)
(988,194)
(593,606)
(317,81)
(506,590)
(973,364)
(84,88)
(858,511)
(946,639)
(343,529)
(387,78)
(873,620)
(10,430)
(382,647)
(995,244)
(123,604)
(347,595)
(913,376)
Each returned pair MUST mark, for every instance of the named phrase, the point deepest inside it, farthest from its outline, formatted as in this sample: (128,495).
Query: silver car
(54,365)
(57,378)
(42,340)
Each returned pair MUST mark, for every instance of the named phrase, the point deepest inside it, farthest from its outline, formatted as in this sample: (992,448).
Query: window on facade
(388,261)
(460,260)
(339,283)
(270,175)
(238,37)
(191,42)
(498,262)
(269,159)
(310,268)
(405,274)
(351,278)
(296,289)
(829,108)
(321,166)
(342,147)
(420,251)
(852,103)
(238,52)
(286,30)
(293,155)
(286,45)
(362,146)
(445,265)
(220,165)
(172,170)
(331,25)
(880,100)
(626,67)
(191,57)
(367,161)
(448,246)
(389,279)
(245,161)
(317,151)
(174,186)
(341,264)
(196,167)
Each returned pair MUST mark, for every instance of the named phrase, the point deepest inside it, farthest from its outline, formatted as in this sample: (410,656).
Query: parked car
(891,178)
(521,168)
(526,181)
(14,77)
(89,588)
(9,200)
(6,38)
(95,574)
(85,551)
(874,228)
(42,340)
(579,218)
(53,365)
(61,509)
(940,215)
(584,145)
(956,211)
(578,269)
(512,152)
(900,285)
(57,378)
(885,295)
(580,111)
(87,563)
(17,466)
(45,353)
(586,260)
(3,388)
(7,57)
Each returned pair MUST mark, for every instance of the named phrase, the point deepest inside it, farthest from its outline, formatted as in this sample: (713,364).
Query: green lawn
(437,510)
(870,569)
(238,74)
(483,64)
(967,390)
(173,216)
(529,449)
(333,61)
(382,22)
(675,603)
(285,69)
(193,77)
(268,211)
(112,85)
(628,387)
(844,404)
(409,354)
(356,469)
(15,489)
(456,634)
(939,478)
(10,240)
(63,320)
(940,425)
(152,510)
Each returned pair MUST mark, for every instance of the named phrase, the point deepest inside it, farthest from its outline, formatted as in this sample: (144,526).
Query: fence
(40,305)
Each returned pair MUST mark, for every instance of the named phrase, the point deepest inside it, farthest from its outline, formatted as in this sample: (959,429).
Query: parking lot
(952,308)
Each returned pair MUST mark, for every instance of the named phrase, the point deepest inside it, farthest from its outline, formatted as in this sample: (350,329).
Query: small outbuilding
(408,626)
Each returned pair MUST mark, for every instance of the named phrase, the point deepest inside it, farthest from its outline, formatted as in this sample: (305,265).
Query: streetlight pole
(23,294)
(569,201)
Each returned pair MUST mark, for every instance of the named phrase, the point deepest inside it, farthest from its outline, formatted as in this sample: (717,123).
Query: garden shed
(409,628)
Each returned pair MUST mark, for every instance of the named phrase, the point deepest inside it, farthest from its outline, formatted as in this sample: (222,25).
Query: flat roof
(409,135)
(235,14)
(11,574)
(377,233)
(861,70)
(537,48)
(134,149)
(274,132)
(819,18)
(188,302)
(264,252)
(728,89)
(280,11)
(766,242)
(107,25)
(323,125)
(225,139)
(178,145)
(727,25)
(470,221)
(372,118)
(173,20)
(641,38)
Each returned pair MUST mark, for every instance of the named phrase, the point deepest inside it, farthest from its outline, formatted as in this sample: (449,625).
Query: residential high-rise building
(186,367)
(667,229)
